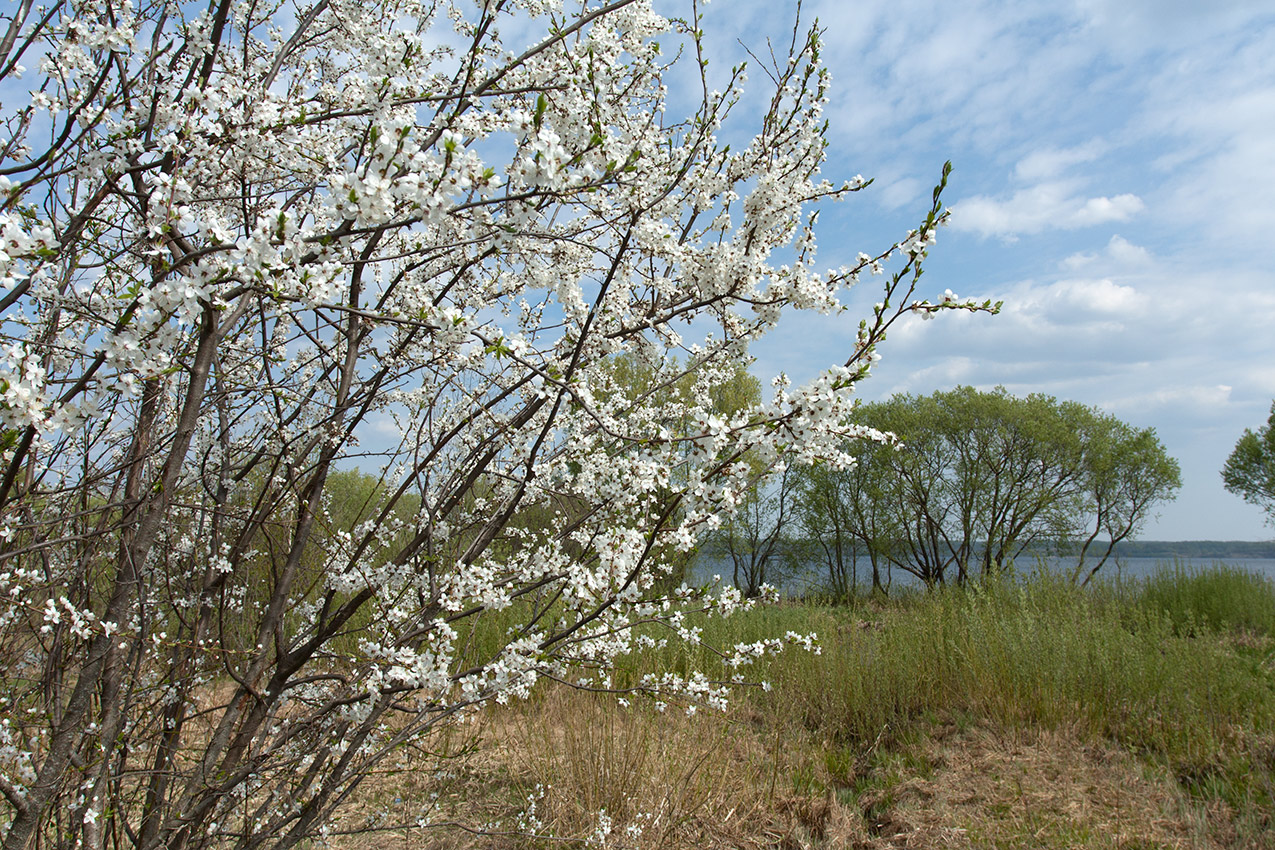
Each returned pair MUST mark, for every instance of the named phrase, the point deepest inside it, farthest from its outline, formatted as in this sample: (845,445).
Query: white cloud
(906,78)
(1197,401)
(1046,206)
(1100,210)
(901,192)
(1123,148)
(1120,254)
(384,426)
(1127,254)
(947,373)
(1048,163)
(1100,296)
(1079,260)
(1137,26)
(1210,119)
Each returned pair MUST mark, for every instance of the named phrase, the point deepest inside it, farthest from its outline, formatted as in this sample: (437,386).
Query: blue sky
(1114,183)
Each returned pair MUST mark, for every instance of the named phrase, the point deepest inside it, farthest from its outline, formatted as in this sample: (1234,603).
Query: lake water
(1126,568)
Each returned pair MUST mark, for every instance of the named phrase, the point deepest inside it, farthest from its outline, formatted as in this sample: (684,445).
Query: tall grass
(1220,598)
(1120,660)
(1040,653)
(1135,663)
(1178,668)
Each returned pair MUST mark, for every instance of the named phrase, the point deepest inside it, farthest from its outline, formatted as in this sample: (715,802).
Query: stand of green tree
(974,481)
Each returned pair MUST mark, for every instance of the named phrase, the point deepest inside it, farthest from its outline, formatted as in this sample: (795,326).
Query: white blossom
(313,425)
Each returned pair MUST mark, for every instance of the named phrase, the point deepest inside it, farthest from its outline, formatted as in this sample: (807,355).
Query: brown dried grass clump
(992,787)
(663,779)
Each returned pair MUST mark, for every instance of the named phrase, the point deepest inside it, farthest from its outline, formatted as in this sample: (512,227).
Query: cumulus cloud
(1100,210)
(1052,205)
(1099,296)
(1127,254)
(1120,254)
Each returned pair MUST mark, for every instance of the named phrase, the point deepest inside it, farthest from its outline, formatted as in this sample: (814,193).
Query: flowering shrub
(249,246)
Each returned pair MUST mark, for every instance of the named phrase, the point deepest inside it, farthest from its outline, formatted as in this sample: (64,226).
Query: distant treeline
(1165,549)
(1204,549)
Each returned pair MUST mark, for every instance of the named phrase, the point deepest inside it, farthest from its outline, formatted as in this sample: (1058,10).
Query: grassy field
(1026,714)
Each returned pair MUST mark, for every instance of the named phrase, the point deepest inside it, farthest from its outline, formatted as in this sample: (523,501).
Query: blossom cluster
(359,369)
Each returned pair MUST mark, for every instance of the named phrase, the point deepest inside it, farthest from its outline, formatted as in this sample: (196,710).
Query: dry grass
(676,783)
(1019,788)
(549,772)
(663,779)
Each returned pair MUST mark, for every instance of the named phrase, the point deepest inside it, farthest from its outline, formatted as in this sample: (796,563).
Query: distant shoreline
(1161,549)
(1194,549)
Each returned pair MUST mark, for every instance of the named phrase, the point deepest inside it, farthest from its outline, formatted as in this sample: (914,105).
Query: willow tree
(248,245)
(979,479)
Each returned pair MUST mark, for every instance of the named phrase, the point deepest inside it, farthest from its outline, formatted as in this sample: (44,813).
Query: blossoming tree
(249,245)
